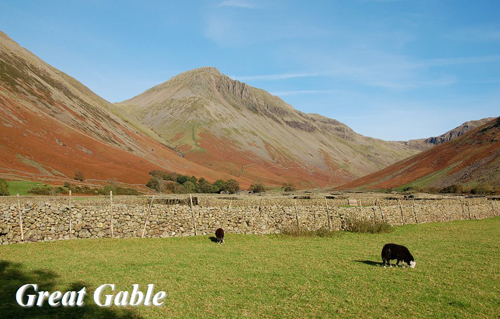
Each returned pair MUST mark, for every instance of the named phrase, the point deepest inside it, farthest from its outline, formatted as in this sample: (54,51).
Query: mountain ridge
(471,159)
(52,125)
(262,126)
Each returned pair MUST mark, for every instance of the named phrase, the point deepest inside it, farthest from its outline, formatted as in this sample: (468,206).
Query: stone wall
(63,218)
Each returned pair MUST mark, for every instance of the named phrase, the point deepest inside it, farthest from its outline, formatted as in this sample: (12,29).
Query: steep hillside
(52,126)
(470,159)
(232,127)
(426,143)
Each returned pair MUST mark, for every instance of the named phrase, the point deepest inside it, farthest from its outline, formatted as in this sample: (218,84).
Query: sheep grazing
(219,233)
(401,253)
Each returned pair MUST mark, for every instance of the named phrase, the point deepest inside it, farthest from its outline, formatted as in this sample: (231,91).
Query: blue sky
(390,69)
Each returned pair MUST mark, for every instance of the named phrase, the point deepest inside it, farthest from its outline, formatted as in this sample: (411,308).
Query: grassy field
(457,274)
(22,187)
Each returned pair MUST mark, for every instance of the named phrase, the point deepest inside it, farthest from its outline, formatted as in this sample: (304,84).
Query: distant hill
(232,127)
(469,160)
(426,143)
(52,125)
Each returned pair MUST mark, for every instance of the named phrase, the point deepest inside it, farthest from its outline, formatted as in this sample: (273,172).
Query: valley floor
(272,276)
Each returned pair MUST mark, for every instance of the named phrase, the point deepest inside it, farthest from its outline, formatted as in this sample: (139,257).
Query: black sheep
(219,233)
(401,253)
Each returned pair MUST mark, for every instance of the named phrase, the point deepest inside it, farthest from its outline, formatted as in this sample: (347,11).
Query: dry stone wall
(41,219)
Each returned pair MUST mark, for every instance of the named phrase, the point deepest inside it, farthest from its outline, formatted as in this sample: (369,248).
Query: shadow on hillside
(369,262)
(213,239)
(13,276)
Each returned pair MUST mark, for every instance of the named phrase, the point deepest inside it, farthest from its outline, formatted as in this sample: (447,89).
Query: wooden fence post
(468,207)
(381,211)
(20,217)
(492,208)
(328,214)
(111,211)
(463,209)
(70,216)
(401,209)
(260,208)
(192,214)
(414,211)
(150,206)
(296,215)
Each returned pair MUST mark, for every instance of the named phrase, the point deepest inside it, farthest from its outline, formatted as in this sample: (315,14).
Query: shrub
(365,225)
(117,190)
(48,190)
(257,188)
(483,189)
(454,189)
(4,187)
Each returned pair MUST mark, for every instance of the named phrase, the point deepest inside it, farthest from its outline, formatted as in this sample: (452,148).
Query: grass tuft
(322,232)
(365,225)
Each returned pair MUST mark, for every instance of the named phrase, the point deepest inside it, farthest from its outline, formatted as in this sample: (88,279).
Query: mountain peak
(206,70)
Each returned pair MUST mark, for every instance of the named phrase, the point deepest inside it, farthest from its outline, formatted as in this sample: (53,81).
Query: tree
(257,188)
(181,179)
(4,187)
(157,183)
(206,187)
(232,186)
(221,185)
(189,186)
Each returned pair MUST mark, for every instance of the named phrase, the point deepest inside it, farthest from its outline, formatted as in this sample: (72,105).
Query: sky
(390,69)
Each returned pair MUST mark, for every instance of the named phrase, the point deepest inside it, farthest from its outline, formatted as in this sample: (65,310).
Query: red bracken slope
(471,158)
(51,126)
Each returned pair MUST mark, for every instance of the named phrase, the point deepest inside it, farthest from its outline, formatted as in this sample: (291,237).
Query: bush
(117,190)
(48,190)
(454,189)
(365,225)
(257,188)
(483,189)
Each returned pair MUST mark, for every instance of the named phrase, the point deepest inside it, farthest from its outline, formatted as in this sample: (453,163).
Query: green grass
(457,274)
(22,187)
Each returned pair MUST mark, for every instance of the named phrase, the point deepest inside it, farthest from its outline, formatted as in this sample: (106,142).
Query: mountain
(448,136)
(473,158)
(231,127)
(52,125)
